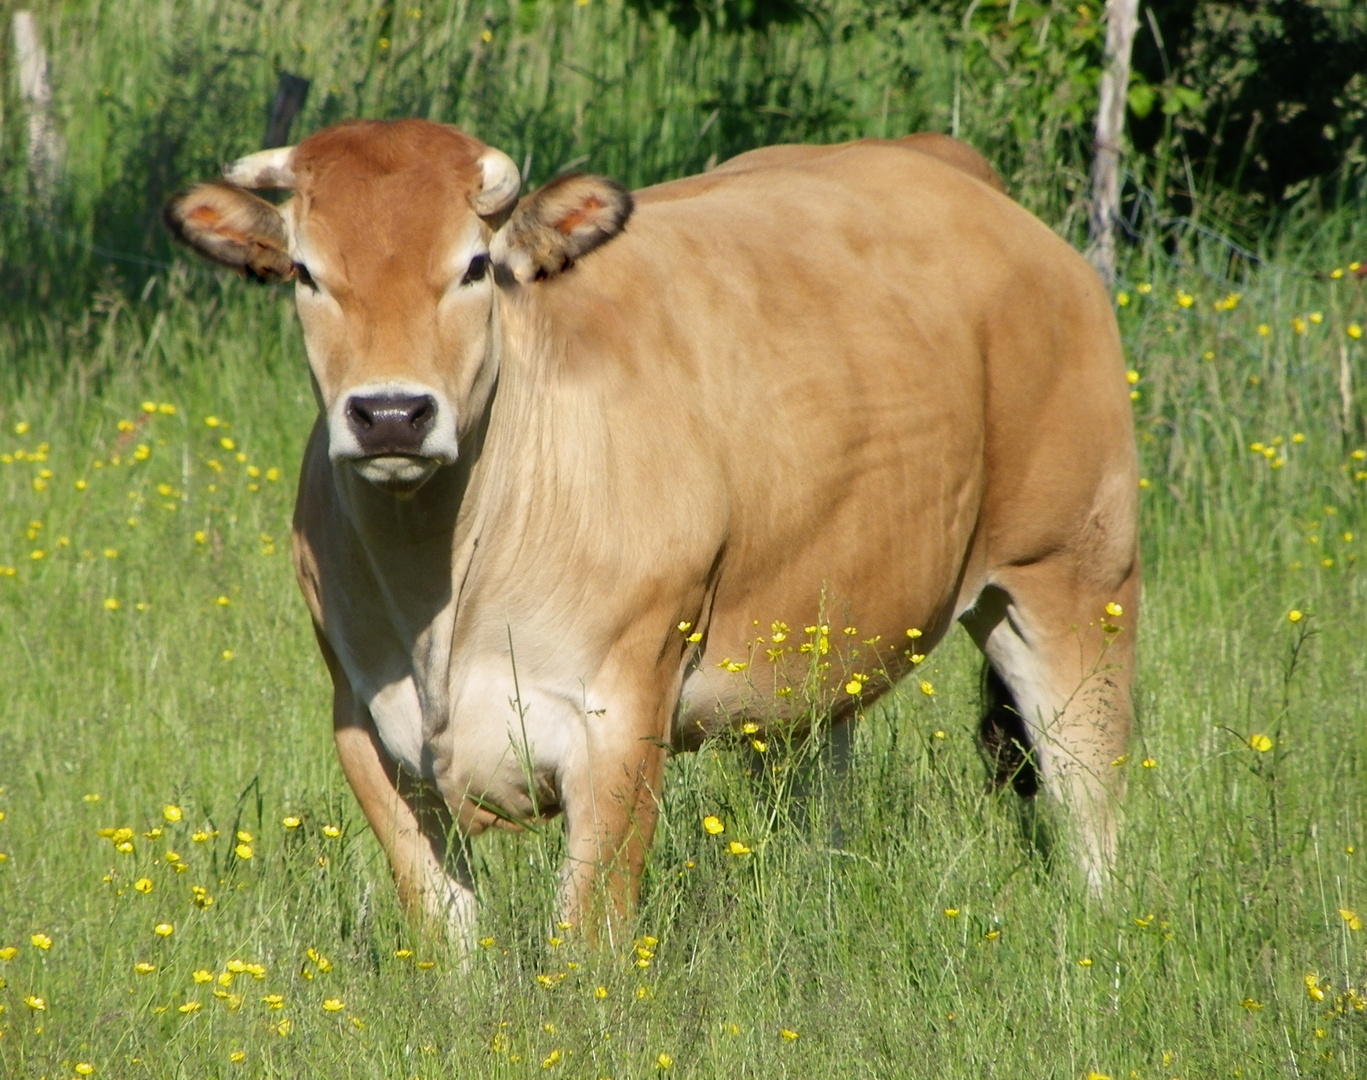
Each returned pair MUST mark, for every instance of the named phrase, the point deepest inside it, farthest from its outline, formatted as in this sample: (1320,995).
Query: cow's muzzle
(393,439)
(388,425)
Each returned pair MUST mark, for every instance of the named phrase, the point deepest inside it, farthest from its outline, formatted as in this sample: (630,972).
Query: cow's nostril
(359,415)
(421,412)
(391,423)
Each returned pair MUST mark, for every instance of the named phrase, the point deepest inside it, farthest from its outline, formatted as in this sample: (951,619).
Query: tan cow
(586,465)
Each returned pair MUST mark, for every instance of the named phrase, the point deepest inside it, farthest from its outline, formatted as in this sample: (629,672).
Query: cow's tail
(1005,741)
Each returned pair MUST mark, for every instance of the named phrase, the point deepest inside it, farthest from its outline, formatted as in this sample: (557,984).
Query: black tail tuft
(1005,741)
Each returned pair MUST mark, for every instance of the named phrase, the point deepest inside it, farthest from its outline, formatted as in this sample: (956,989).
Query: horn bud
(264,169)
(502,182)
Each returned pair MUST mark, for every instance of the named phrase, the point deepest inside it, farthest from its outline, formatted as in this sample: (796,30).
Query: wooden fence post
(46,148)
(290,95)
(1122,20)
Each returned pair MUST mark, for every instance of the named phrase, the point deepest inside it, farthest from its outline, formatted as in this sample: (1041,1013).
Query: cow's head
(389,237)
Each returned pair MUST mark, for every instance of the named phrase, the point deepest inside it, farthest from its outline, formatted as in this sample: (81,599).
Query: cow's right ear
(233,227)
(560,223)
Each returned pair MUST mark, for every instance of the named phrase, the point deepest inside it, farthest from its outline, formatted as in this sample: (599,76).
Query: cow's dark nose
(391,424)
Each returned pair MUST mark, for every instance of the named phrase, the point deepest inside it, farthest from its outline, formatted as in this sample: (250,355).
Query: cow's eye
(478,267)
(302,275)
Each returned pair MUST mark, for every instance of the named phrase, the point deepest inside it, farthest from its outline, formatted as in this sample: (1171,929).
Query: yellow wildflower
(713,825)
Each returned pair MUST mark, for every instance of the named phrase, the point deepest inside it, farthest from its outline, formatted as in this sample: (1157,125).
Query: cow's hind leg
(1059,705)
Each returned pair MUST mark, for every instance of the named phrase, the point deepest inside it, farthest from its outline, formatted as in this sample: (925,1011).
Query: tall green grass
(1235,862)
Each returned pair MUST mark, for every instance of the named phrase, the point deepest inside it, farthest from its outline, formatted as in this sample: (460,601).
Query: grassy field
(187,888)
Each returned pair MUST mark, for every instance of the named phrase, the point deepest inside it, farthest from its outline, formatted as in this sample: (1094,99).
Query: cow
(596,475)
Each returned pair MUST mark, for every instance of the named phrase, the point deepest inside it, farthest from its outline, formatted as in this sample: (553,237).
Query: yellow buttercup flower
(41,941)
(713,825)
(788,1035)
(331,832)
(1294,616)
(333,1005)
(1114,610)
(143,885)
(291,822)
(144,968)
(927,689)
(737,848)
(1352,918)
(35,1003)
(171,812)
(165,929)
(951,913)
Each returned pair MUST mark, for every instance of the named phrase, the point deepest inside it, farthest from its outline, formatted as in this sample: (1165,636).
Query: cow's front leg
(410,820)
(611,792)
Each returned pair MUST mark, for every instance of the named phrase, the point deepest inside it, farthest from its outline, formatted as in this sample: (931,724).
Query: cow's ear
(559,223)
(233,227)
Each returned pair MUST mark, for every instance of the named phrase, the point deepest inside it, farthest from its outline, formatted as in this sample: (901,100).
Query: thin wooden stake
(290,94)
(1122,20)
(46,147)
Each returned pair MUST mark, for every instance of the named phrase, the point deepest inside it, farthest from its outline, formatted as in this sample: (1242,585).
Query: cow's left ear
(233,227)
(559,223)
